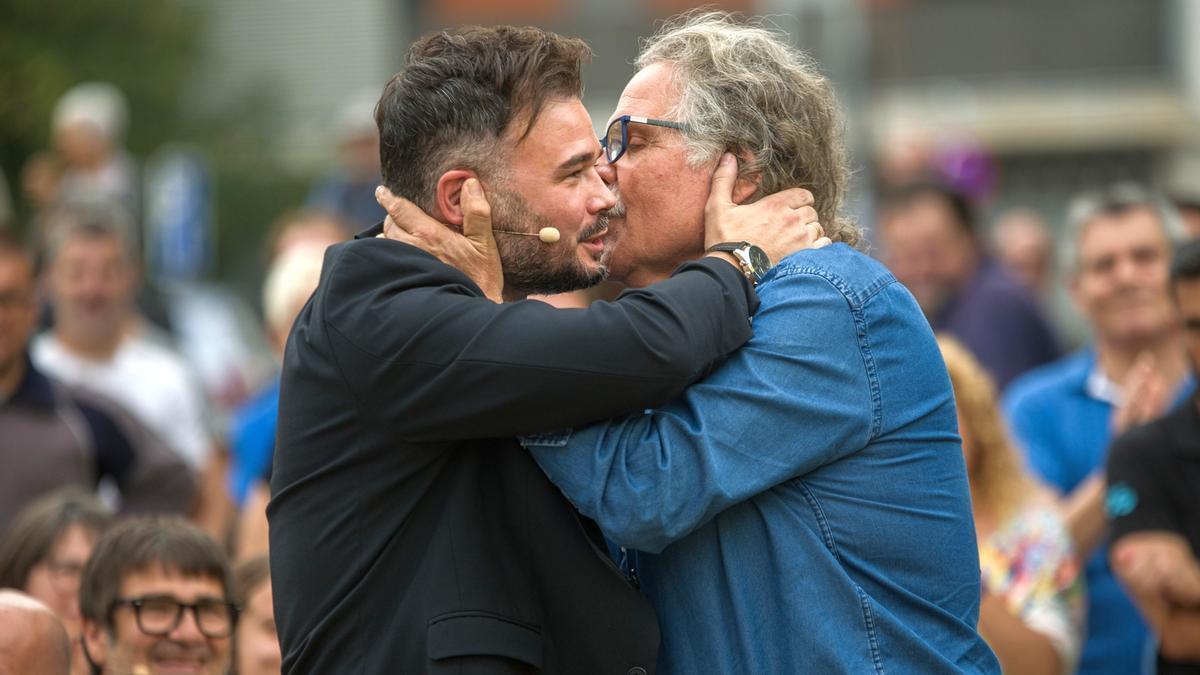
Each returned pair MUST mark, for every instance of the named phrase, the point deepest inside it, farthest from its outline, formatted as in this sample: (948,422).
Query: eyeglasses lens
(161,616)
(614,141)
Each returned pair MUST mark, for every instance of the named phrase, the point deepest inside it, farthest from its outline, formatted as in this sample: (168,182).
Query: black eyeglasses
(158,615)
(617,137)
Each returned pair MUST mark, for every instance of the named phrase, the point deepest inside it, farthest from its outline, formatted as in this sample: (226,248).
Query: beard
(532,266)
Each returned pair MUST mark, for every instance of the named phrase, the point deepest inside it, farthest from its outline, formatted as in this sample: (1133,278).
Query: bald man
(32,639)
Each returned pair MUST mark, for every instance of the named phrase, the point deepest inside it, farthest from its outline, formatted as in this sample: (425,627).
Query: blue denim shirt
(805,508)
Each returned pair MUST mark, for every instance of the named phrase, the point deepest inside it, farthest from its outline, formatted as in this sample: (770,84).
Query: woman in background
(45,549)
(1032,606)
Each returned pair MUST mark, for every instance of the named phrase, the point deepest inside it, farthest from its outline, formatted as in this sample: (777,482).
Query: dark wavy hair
(141,543)
(460,93)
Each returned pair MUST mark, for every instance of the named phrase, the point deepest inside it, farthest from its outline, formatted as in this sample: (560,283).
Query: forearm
(1019,648)
(1083,511)
(1179,634)
(652,478)
(525,367)
(1162,575)
(251,535)
(643,483)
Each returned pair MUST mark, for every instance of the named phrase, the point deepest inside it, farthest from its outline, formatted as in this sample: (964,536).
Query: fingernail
(378,192)
(472,187)
(727,158)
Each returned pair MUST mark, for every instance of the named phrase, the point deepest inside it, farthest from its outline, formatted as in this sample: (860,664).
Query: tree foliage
(147,48)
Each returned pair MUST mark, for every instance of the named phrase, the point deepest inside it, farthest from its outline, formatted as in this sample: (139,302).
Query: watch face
(759,261)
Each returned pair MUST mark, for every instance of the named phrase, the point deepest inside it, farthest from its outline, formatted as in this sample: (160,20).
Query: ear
(95,643)
(748,183)
(449,196)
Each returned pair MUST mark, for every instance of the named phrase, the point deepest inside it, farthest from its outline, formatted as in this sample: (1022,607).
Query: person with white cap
(89,125)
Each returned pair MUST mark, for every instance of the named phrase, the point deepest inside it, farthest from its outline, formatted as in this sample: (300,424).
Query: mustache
(1131,291)
(594,229)
(618,209)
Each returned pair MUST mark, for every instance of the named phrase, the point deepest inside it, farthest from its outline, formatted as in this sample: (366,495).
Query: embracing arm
(421,349)
(1019,648)
(650,479)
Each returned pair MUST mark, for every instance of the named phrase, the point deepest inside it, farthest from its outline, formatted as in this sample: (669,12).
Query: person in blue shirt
(1065,414)
(804,508)
(291,279)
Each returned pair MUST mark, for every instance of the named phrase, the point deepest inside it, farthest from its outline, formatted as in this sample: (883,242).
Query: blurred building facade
(1057,96)
(1066,95)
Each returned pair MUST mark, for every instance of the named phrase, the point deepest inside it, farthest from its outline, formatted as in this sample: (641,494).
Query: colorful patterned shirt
(1030,562)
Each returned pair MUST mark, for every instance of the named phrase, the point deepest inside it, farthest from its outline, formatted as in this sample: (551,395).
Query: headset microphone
(548,235)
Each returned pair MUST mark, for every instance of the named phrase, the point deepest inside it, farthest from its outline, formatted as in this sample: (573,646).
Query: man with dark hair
(493,85)
(157,597)
(1154,502)
(409,531)
(929,237)
(52,434)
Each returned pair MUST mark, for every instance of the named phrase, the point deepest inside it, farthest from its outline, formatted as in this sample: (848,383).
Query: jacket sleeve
(796,397)
(421,348)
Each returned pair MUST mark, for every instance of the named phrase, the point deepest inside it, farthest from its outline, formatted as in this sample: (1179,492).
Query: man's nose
(602,199)
(1126,271)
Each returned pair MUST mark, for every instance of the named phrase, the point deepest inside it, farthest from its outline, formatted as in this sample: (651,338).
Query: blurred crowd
(130,482)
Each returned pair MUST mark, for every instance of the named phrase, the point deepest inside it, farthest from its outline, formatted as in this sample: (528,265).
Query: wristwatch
(753,261)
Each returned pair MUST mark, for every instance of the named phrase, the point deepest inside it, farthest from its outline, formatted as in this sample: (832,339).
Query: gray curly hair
(746,90)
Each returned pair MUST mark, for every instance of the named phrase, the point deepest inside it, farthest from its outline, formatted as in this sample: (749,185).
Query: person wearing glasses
(157,597)
(804,507)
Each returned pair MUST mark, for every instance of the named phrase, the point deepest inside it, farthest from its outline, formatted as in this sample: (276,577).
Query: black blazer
(410,533)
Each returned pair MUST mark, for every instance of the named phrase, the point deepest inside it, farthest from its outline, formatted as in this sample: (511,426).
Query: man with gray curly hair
(739,88)
(804,508)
